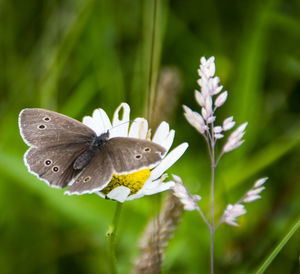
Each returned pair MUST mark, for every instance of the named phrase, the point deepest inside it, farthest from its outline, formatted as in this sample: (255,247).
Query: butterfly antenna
(130,121)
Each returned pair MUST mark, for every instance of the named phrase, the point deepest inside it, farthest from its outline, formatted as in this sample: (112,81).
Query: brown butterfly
(65,152)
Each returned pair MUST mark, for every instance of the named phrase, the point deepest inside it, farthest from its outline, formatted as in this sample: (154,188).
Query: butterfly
(65,152)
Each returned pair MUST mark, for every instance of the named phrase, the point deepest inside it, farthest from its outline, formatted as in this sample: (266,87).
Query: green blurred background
(73,56)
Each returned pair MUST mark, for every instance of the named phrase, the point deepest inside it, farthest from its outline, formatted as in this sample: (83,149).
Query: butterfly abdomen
(95,146)
(84,159)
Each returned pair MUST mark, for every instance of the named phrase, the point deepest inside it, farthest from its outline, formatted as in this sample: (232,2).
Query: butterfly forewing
(40,128)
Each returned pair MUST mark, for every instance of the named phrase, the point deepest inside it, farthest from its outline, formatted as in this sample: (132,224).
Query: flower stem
(111,235)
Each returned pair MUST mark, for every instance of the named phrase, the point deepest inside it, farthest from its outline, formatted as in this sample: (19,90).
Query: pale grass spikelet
(234,139)
(218,132)
(188,201)
(253,193)
(228,123)
(260,182)
(195,119)
(207,67)
(203,121)
(199,98)
(232,212)
(221,99)
(211,119)
(218,129)
(218,136)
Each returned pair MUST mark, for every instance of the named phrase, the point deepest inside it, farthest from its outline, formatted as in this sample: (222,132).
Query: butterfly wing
(52,165)
(56,141)
(44,128)
(118,155)
(132,154)
(95,176)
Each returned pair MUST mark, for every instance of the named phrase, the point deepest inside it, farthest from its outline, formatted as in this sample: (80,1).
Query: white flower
(119,127)
(232,212)
(188,201)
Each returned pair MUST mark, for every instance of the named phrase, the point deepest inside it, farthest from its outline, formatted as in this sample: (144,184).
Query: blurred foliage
(73,56)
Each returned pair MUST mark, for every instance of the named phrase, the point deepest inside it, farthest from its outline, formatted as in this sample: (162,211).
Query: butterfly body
(96,145)
(64,152)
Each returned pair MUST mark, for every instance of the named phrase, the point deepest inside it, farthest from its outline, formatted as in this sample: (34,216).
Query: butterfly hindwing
(53,165)
(132,154)
(95,176)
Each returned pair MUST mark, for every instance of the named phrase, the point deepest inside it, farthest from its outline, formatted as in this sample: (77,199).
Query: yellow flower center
(134,181)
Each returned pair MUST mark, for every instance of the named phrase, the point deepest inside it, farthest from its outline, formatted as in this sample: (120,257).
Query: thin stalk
(208,141)
(212,211)
(203,217)
(219,158)
(151,84)
(111,235)
(212,200)
(278,248)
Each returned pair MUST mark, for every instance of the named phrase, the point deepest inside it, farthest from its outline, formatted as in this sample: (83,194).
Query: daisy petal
(159,187)
(120,124)
(135,196)
(167,143)
(161,133)
(168,161)
(99,122)
(149,184)
(100,194)
(119,194)
(139,128)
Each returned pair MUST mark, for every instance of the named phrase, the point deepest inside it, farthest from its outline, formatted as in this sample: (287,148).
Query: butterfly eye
(139,156)
(41,126)
(86,179)
(55,169)
(48,162)
(46,119)
(147,149)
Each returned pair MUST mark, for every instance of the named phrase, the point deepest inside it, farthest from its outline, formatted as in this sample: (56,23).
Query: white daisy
(149,181)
